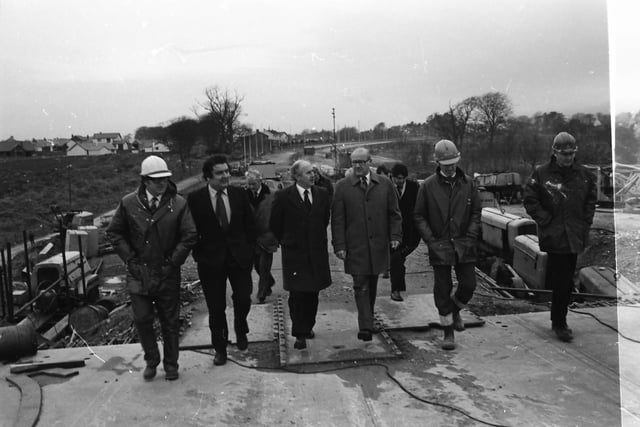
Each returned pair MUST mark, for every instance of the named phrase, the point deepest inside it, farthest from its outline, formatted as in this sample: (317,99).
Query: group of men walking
(376,222)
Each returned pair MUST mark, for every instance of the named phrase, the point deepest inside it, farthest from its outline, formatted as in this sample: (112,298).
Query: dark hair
(382,169)
(207,167)
(399,169)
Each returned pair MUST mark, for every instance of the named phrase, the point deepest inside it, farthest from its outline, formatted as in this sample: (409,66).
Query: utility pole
(335,149)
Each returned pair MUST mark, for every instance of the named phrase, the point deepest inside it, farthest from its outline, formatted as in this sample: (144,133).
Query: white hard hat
(154,167)
(446,152)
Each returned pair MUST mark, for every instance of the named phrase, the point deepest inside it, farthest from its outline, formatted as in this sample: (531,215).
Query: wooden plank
(20,368)
(58,329)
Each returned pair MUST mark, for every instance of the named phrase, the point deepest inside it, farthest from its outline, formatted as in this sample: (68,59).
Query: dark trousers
(559,277)
(262,262)
(303,308)
(445,302)
(167,305)
(365,288)
(214,287)
(397,268)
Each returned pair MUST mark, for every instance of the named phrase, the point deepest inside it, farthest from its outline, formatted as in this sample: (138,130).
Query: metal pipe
(9,285)
(4,313)
(549,291)
(40,294)
(84,280)
(27,264)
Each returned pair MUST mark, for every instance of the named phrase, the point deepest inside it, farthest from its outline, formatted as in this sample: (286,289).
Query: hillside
(31,187)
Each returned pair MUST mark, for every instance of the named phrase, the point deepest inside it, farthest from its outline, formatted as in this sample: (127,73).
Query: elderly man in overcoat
(365,224)
(299,220)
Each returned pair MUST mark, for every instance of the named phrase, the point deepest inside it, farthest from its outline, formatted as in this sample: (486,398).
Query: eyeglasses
(359,162)
(157,180)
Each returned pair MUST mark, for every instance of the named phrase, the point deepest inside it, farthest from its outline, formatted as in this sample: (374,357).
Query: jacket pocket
(441,251)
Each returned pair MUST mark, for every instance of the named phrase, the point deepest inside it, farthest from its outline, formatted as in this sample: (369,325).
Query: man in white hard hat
(447,215)
(365,225)
(152,231)
(561,197)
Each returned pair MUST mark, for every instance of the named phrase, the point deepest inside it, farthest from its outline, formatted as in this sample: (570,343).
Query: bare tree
(494,108)
(460,114)
(223,109)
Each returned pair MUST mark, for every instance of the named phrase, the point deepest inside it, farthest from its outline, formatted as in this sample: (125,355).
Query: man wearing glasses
(365,224)
(152,231)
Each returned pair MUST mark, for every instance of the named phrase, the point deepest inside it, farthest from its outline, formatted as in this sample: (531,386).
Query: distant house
(15,148)
(42,145)
(151,146)
(60,144)
(89,149)
(112,138)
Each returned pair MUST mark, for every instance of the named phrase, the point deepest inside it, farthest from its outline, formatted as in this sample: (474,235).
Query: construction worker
(447,216)
(152,231)
(561,196)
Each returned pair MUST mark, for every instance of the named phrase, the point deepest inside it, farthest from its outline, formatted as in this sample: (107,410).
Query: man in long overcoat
(365,224)
(299,220)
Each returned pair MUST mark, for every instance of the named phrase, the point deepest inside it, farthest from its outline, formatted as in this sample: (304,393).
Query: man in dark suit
(266,244)
(225,249)
(407,193)
(299,220)
(365,223)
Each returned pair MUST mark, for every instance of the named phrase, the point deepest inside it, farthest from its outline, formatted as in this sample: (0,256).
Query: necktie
(307,202)
(364,183)
(154,204)
(221,212)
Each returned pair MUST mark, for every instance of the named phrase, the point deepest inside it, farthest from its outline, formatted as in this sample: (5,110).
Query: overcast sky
(78,67)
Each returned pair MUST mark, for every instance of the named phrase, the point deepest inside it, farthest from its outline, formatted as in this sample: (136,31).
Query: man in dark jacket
(365,224)
(320,180)
(152,232)
(266,243)
(299,220)
(225,249)
(447,215)
(407,193)
(561,197)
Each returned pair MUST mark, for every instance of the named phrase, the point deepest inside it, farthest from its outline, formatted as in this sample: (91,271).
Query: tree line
(490,136)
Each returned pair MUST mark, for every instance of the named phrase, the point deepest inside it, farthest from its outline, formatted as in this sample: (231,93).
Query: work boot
(149,372)
(448,343)
(458,324)
(171,375)
(563,333)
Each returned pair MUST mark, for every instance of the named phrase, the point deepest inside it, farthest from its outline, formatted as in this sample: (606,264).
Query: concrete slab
(512,371)
(260,320)
(335,340)
(417,311)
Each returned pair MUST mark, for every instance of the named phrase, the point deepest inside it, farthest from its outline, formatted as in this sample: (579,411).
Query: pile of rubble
(118,327)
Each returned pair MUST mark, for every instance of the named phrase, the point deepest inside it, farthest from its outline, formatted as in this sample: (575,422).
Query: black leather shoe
(365,336)
(171,375)
(300,344)
(395,295)
(261,300)
(241,342)
(149,372)
(311,335)
(220,358)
